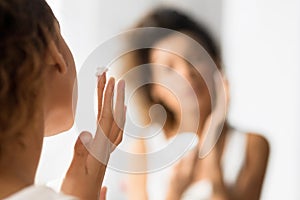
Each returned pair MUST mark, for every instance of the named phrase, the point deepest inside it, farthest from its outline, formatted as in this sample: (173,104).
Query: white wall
(261,48)
(261,41)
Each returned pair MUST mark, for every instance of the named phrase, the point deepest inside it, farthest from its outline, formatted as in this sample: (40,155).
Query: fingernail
(85,138)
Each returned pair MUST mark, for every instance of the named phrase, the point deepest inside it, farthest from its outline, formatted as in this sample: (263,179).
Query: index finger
(100,89)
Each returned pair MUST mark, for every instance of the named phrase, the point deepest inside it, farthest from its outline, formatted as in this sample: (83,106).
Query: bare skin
(248,185)
(86,171)
(56,114)
(191,169)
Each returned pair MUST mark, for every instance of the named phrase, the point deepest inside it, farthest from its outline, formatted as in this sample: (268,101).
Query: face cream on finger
(101,70)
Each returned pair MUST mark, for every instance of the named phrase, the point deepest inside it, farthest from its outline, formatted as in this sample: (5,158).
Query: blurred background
(260,43)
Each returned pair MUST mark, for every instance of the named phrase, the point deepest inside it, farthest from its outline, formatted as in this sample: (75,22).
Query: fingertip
(101,79)
(101,70)
(85,137)
(103,193)
(104,189)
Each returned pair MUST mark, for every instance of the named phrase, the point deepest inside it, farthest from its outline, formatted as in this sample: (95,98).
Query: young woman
(235,167)
(38,98)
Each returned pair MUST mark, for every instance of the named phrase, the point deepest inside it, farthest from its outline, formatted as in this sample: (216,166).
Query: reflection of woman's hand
(182,175)
(211,165)
(85,175)
(186,170)
(214,122)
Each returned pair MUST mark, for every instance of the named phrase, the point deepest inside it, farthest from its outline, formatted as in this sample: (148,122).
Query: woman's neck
(10,184)
(18,163)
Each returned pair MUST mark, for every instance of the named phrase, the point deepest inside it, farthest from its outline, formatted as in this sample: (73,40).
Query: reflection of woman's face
(182,86)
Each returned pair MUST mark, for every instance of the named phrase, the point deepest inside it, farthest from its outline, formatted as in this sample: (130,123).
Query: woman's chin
(58,127)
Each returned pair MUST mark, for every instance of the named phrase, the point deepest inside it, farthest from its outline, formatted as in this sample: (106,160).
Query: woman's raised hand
(91,154)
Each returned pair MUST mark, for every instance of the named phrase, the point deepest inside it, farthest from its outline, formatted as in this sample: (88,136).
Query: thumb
(103,193)
(80,152)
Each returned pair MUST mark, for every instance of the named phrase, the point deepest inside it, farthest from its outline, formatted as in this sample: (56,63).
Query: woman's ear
(55,58)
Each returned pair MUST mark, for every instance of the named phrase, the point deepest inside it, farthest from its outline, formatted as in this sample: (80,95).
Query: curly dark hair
(168,18)
(26,27)
(176,20)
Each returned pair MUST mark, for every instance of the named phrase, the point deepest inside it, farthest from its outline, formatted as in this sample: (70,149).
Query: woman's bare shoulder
(258,148)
